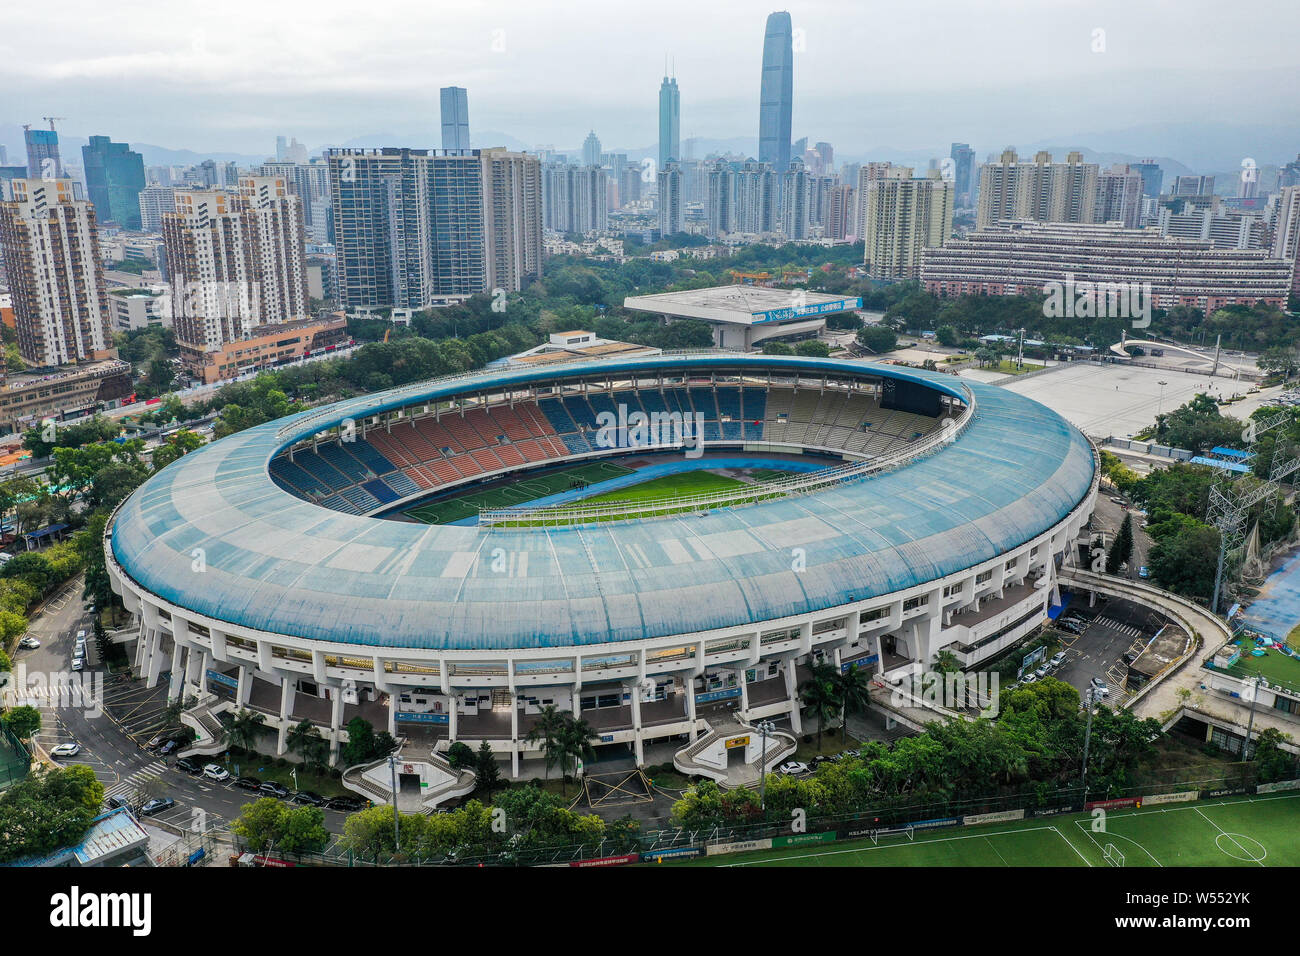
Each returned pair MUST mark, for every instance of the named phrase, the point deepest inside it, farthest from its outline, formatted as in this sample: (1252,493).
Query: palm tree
(548,731)
(820,695)
(575,745)
(306,741)
(241,732)
(172,712)
(854,691)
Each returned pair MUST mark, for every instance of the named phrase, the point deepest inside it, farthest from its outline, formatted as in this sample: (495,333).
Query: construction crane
(51,119)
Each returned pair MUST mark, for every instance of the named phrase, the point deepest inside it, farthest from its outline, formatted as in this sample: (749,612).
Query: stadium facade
(263,575)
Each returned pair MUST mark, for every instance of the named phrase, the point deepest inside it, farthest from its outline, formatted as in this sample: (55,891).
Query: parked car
(157,805)
(793,768)
(155,742)
(168,747)
(273,789)
(346,804)
(1058,659)
(1100,691)
(117,802)
(189,766)
(307,797)
(1144,572)
(1029,678)
(66,750)
(216,772)
(1042,671)
(78,663)
(29,643)
(248,783)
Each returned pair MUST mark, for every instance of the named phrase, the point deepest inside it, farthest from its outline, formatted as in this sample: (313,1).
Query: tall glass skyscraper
(114,180)
(670,123)
(43,154)
(776,98)
(455,117)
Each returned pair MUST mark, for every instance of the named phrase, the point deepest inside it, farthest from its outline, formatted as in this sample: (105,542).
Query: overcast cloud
(229,76)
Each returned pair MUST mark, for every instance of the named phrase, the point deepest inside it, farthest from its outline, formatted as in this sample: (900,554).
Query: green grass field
(515,493)
(1242,831)
(670,486)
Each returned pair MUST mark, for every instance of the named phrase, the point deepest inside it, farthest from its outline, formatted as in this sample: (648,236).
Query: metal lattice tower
(1231,501)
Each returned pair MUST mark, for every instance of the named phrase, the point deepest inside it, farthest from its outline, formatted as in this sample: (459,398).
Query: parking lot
(1112,629)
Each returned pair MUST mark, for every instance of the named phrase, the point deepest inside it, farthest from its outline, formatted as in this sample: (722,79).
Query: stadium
(657,543)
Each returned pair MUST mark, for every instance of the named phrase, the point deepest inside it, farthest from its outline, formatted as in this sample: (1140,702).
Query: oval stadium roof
(277,563)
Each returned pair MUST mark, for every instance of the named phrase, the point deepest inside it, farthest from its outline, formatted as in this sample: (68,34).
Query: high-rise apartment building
(1119,196)
(840,212)
(454,102)
(574,198)
(1153,177)
(154,201)
(904,215)
(796,202)
(743,199)
(1286,231)
(963,162)
(776,93)
(670,122)
(1192,186)
(672,204)
(1041,190)
(114,180)
(50,246)
(236,261)
(412,226)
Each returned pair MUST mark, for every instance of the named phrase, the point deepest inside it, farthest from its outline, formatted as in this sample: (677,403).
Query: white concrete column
(318,665)
(792,692)
(336,723)
(244,687)
(219,651)
(690,705)
(453,711)
(286,708)
(176,680)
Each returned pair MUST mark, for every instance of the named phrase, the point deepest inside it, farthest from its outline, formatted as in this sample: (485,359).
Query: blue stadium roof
(276,563)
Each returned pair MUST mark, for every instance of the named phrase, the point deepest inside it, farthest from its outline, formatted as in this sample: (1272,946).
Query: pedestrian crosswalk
(128,787)
(1128,630)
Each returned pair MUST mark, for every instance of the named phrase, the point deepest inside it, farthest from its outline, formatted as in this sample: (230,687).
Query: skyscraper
(1041,190)
(963,160)
(796,201)
(455,117)
(776,95)
(43,154)
(50,246)
(114,180)
(1119,196)
(591,150)
(154,201)
(670,122)
(574,198)
(1153,177)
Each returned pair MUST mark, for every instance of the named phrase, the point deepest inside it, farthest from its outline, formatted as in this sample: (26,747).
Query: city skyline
(982,74)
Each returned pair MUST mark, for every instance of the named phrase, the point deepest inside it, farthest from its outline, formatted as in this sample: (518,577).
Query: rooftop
(742,304)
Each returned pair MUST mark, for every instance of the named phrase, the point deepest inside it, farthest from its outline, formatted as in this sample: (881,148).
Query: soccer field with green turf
(519,492)
(1244,831)
(670,486)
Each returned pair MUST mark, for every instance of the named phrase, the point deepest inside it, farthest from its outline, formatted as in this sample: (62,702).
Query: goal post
(1112,855)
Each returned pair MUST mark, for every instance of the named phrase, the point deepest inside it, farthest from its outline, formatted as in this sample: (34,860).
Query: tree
(48,809)
(947,336)
(22,721)
(820,695)
(306,741)
(486,769)
(777,348)
(460,756)
(1278,360)
(1121,549)
(575,743)
(177,445)
(547,731)
(242,730)
(1271,761)
(1185,562)
(878,339)
(813,348)
(853,687)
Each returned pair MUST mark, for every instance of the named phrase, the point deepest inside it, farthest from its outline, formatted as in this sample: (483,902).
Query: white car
(793,768)
(1029,678)
(1058,659)
(78,663)
(66,750)
(214,772)
(29,643)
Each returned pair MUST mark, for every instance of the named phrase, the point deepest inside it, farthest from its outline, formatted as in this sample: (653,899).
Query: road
(112,718)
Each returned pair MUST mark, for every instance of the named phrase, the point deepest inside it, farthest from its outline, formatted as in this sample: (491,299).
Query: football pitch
(514,493)
(683,485)
(1251,831)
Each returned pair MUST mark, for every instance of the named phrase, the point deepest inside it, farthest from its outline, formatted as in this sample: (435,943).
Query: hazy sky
(229,75)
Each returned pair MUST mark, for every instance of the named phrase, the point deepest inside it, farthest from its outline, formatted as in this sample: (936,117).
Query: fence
(15,759)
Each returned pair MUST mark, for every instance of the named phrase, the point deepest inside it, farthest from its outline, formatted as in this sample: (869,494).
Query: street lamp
(397,832)
(1161,404)
(1087,739)
(765,727)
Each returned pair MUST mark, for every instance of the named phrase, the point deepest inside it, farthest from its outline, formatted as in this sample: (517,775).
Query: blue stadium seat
(380,490)
(342,461)
(369,455)
(555,413)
